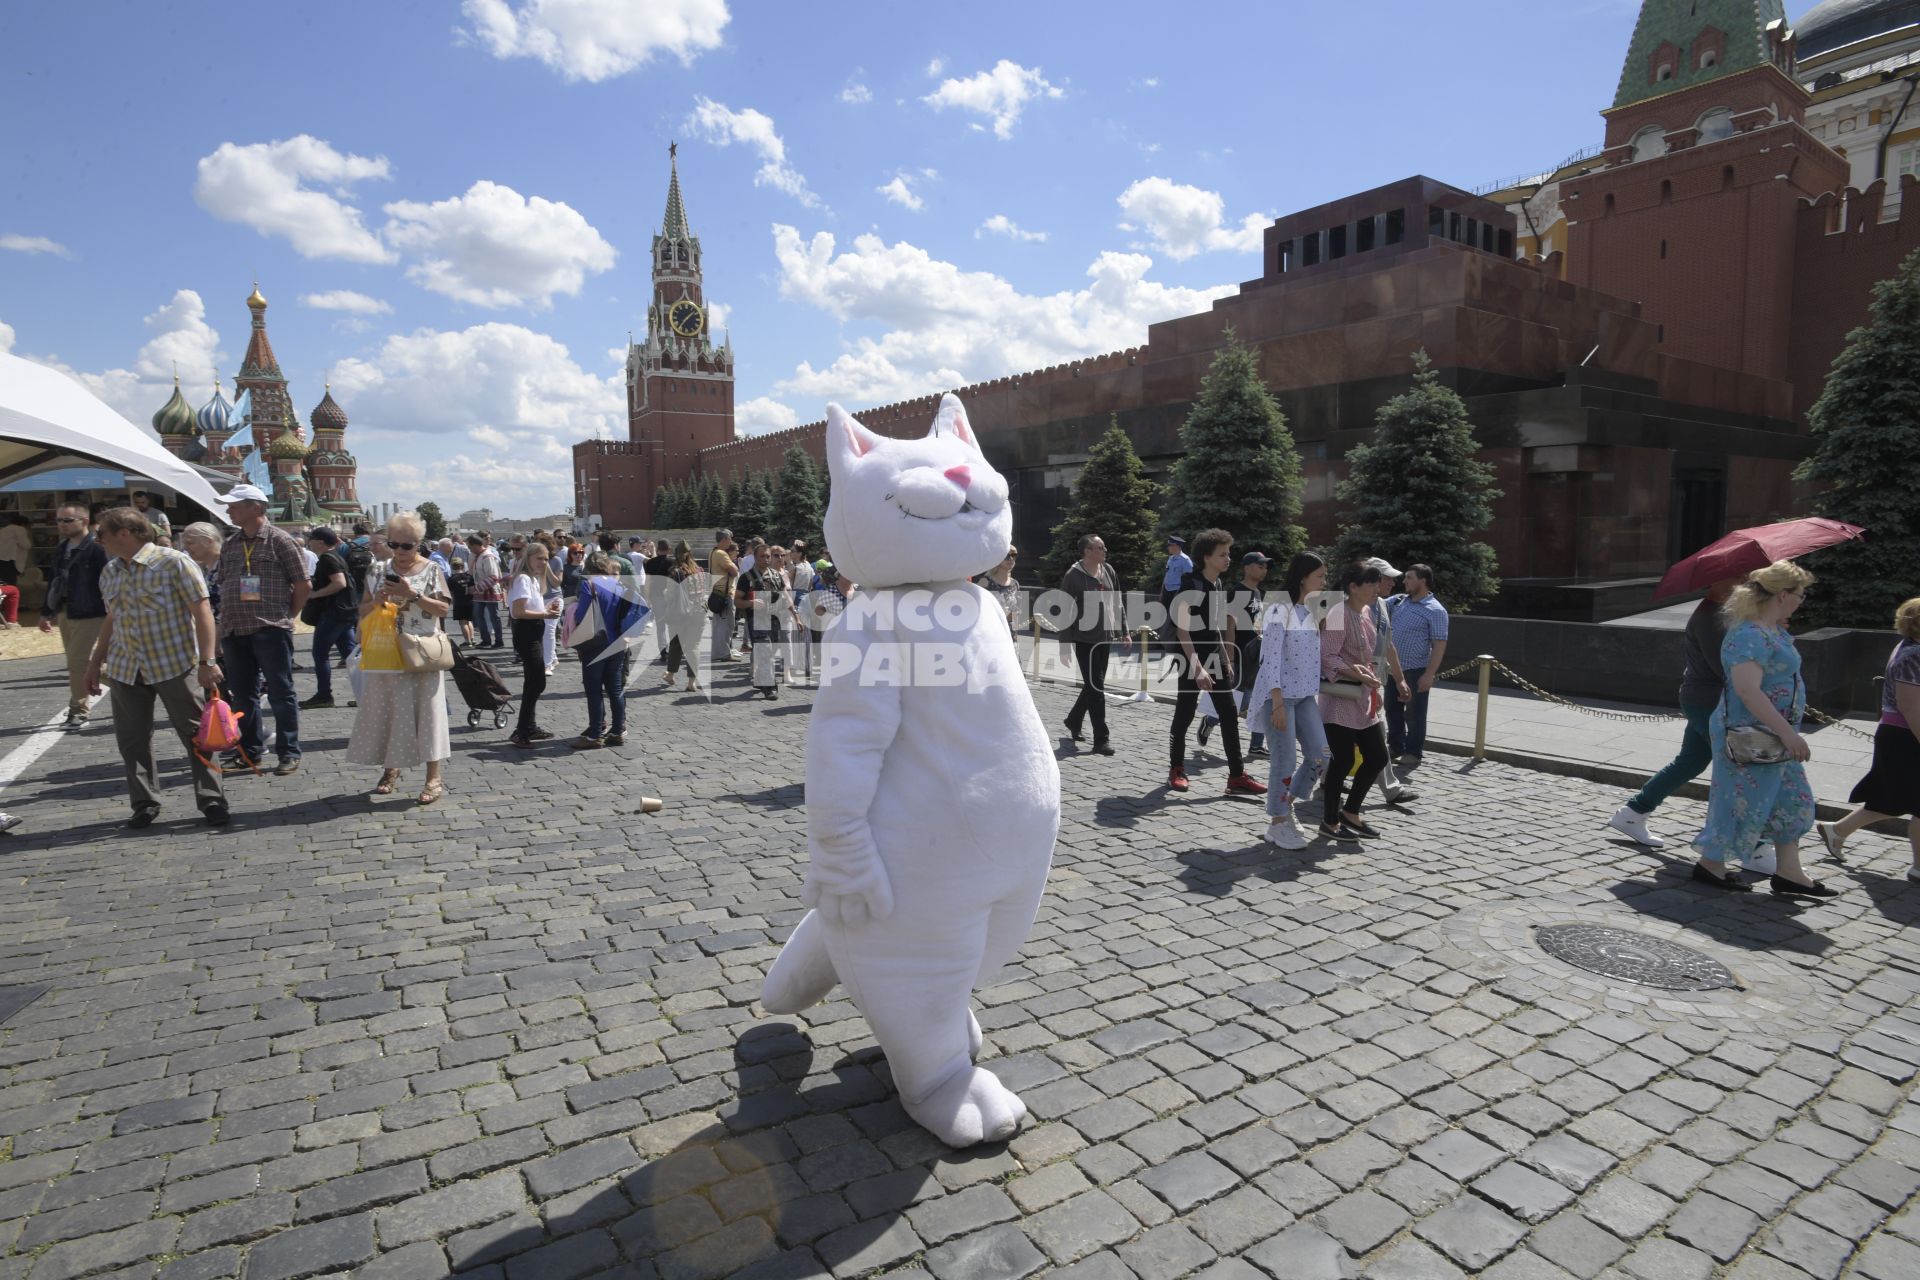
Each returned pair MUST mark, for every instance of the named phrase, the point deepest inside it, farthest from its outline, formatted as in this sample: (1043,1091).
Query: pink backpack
(219,731)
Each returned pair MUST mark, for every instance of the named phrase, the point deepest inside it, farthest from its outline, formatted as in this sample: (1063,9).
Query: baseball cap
(244,493)
(1386,570)
(823,564)
(1254,557)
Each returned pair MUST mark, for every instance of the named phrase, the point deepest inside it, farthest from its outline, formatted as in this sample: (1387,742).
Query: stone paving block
(94,1253)
(450,1209)
(1304,1252)
(1471,1232)
(1074,1228)
(1713,1226)
(310,1250)
(1522,1192)
(997,1253)
(1576,1244)
(1458,1154)
(1190,1180)
(1362,1221)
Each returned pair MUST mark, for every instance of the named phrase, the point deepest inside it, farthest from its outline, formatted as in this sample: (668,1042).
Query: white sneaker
(8,822)
(1286,835)
(1634,826)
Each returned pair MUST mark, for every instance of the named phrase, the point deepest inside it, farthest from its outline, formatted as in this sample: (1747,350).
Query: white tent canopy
(48,421)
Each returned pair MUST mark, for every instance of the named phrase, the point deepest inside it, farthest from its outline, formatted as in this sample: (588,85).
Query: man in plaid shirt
(157,642)
(263,584)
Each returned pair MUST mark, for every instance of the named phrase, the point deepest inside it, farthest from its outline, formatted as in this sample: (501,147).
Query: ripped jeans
(1286,783)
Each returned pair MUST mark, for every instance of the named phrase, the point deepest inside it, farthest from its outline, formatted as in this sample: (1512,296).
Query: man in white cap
(263,584)
(1386,664)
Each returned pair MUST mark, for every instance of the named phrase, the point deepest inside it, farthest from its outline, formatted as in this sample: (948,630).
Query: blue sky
(449,204)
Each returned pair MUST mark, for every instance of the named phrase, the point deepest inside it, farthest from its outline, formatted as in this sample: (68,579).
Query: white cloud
(264,185)
(1000,94)
(182,340)
(856,93)
(519,395)
(346,300)
(717,123)
(495,248)
(1001,225)
(900,193)
(763,414)
(1184,221)
(6,336)
(595,40)
(33,244)
(1151,82)
(935,67)
(718,313)
(946,327)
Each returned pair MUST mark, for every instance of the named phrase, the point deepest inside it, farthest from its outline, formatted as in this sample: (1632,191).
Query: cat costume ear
(951,420)
(846,440)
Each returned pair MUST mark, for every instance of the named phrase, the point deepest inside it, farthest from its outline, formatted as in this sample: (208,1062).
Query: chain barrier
(1623,716)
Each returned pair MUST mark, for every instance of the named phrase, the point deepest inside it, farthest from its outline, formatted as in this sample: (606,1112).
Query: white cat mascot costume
(933,798)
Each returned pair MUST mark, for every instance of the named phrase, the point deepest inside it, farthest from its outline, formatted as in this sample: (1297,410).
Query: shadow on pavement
(1216,872)
(743,1196)
(1755,921)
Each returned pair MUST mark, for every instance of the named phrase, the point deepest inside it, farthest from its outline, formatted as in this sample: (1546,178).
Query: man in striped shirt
(157,643)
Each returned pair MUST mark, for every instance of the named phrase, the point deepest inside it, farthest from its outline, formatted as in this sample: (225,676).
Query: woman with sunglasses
(402,718)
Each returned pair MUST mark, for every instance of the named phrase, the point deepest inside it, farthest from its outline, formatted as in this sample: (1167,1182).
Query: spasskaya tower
(679,386)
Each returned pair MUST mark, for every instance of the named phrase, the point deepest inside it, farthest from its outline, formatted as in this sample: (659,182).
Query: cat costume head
(914,511)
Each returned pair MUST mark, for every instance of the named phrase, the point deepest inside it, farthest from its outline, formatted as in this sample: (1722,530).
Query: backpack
(359,565)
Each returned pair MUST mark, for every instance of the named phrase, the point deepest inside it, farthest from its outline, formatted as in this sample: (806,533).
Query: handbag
(718,599)
(1350,690)
(426,653)
(1755,744)
(379,643)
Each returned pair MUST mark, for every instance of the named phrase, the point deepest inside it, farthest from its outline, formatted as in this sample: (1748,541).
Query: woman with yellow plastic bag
(402,719)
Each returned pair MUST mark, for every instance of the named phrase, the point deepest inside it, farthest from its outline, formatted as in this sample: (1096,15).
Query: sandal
(388,780)
(433,791)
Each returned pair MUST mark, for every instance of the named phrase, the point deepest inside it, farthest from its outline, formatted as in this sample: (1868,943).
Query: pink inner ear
(960,428)
(860,447)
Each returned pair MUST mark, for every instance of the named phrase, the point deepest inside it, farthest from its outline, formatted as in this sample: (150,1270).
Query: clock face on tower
(686,318)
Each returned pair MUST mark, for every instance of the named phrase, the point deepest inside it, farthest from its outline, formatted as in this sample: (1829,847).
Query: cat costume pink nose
(961,475)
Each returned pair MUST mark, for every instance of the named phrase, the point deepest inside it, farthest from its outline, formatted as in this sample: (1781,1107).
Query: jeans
(1696,753)
(1185,703)
(1287,784)
(527,633)
(605,683)
(332,633)
(1407,721)
(1371,743)
(1091,659)
(266,653)
(133,735)
(486,623)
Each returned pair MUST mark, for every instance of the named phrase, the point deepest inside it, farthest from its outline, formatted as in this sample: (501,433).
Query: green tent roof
(1679,23)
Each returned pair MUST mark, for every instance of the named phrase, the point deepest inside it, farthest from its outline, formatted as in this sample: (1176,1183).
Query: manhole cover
(1633,957)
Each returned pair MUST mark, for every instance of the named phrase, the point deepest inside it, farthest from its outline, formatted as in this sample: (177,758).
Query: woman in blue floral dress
(1755,802)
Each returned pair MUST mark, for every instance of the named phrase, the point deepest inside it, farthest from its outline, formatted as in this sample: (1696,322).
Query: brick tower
(679,386)
(1694,208)
(331,470)
(272,415)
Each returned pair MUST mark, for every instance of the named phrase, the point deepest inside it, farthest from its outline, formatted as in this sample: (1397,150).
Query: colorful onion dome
(175,417)
(328,415)
(214,414)
(287,445)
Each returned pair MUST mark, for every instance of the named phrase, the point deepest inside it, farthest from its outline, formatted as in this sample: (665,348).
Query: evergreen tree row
(778,505)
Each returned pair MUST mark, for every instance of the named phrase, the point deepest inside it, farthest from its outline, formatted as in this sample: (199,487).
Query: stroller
(482,687)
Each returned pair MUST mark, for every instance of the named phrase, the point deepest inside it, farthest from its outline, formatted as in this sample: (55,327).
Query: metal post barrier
(1485,663)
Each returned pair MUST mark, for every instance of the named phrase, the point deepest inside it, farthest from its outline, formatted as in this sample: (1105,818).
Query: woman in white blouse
(402,719)
(1286,691)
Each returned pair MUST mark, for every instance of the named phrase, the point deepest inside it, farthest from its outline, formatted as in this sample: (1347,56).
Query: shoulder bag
(1755,744)
(430,652)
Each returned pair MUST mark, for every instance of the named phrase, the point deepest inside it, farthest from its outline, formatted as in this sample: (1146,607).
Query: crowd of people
(1331,667)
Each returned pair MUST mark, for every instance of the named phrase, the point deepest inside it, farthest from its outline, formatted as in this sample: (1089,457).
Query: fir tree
(1240,470)
(713,502)
(1864,422)
(797,509)
(660,504)
(1110,498)
(730,502)
(753,508)
(674,514)
(1417,494)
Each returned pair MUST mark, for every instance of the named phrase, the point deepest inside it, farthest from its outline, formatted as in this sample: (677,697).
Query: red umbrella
(1744,550)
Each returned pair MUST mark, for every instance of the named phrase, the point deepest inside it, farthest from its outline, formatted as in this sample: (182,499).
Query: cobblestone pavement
(514,1035)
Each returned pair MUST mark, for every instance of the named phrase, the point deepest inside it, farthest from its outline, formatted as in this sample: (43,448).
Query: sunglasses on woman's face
(403,546)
